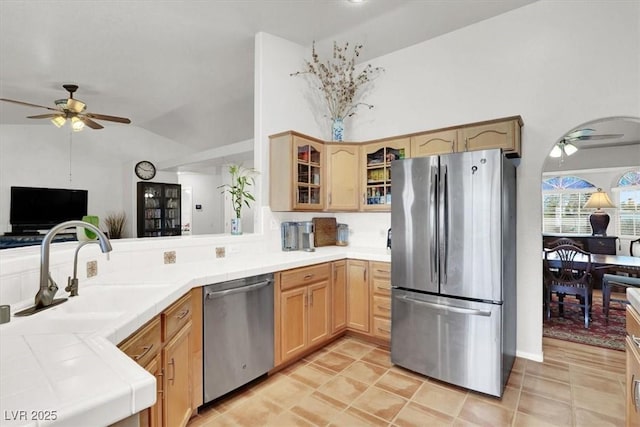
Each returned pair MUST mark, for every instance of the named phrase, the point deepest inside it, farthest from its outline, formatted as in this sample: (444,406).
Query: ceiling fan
(566,145)
(71,109)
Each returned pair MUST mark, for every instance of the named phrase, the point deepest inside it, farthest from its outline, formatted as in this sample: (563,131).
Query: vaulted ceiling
(184,69)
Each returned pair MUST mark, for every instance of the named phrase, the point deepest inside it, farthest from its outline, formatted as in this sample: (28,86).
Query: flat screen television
(34,208)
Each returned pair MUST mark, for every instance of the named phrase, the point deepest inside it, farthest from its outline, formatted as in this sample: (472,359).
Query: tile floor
(352,383)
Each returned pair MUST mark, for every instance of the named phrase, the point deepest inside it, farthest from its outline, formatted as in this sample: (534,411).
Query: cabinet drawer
(144,345)
(602,246)
(382,306)
(304,276)
(176,316)
(633,322)
(382,327)
(381,270)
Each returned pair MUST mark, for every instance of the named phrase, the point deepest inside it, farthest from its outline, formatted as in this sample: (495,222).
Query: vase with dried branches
(339,82)
(115,223)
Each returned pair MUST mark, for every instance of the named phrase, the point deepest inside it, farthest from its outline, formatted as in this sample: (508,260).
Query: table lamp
(599,219)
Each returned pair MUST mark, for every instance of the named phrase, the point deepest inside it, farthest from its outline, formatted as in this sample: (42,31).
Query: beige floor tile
(442,399)
(286,391)
(526,420)
(353,417)
(378,357)
(399,384)
(598,380)
(380,403)
(547,388)
(482,413)
(587,418)
(416,415)
(236,398)
(364,372)
(318,409)
(547,410)
(354,349)
(557,372)
(519,365)
(509,400)
(312,375)
(408,373)
(343,388)
(334,361)
(597,401)
(257,410)
(515,379)
(287,419)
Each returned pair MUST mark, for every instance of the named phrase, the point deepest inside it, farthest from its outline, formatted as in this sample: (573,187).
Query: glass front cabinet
(158,209)
(376,174)
(308,174)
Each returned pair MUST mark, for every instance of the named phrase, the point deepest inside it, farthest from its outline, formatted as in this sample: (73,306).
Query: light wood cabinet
(343,177)
(302,310)
(432,143)
(502,133)
(339,297)
(633,368)
(358,295)
(176,357)
(296,176)
(381,300)
(376,161)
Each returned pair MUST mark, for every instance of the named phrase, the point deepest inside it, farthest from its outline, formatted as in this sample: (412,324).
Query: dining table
(602,264)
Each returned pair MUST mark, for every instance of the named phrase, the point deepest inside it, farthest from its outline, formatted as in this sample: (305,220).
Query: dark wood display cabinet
(605,245)
(159,209)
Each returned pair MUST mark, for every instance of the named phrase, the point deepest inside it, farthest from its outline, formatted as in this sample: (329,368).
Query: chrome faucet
(72,283)
(48,287)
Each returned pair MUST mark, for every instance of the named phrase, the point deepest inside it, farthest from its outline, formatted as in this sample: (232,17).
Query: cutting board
(325,231)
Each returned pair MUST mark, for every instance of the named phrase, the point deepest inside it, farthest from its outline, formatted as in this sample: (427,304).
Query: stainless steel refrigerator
(453,268)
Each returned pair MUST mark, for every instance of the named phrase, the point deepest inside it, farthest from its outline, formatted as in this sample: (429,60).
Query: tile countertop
(62,366)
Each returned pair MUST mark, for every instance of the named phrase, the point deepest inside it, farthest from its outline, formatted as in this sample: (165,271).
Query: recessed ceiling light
(356,1)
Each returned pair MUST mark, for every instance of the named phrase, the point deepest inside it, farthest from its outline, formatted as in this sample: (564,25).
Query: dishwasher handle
(219,294)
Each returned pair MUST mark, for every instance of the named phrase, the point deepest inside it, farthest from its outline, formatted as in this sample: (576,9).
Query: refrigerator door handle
(445,221)
(433,215)
(448,308)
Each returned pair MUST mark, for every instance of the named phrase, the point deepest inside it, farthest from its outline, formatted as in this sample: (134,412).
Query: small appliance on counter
(306,236)
(389,239)
(289,236)
(342,235)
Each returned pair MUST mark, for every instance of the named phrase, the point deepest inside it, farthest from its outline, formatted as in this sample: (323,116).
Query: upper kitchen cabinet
(296,172)
(342,176)
(432,143)
(376,171)
(500,133)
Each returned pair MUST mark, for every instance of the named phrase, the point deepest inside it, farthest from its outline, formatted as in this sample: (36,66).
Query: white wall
(557,64)
(209,219)
(101,161)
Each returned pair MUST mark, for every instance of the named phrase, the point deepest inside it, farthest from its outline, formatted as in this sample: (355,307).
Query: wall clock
(145,170)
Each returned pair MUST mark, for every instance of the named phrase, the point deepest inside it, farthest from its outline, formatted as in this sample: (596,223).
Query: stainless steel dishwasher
(238,333)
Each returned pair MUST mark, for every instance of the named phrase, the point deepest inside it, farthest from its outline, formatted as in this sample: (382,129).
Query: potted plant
(241,179)
(115,223)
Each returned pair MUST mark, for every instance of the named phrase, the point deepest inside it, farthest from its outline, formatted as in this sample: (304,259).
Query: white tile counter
(62,367)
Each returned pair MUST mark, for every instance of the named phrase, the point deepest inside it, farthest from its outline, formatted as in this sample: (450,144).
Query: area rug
(600,334)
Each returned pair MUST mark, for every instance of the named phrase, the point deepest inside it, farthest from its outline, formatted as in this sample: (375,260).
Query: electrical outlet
(170,257)
(220,252)
(92,268)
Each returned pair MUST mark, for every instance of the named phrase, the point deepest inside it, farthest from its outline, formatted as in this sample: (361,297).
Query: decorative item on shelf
(241,178)
(115,223)
(85,234)
(339,83)
(599,219)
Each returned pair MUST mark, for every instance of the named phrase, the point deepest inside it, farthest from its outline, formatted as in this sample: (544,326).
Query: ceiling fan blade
(592,137)
(27,104)
(45,116)
(108,118)
(93,125)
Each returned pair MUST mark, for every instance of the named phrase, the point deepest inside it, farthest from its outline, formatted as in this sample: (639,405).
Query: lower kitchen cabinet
(339,297)
(151,417)
(302,310)
(177,382)
(633,368)
(358,295)
(381,300)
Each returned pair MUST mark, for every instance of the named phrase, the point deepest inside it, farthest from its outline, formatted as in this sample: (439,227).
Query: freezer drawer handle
(218,294)
(449,308)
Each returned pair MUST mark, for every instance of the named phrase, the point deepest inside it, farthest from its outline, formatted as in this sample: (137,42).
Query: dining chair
(618,283)
(631,245)
(567,271)
(565,241)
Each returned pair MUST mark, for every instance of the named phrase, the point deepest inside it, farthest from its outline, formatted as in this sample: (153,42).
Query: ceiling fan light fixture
(76,124)
(555,151)
(59,121)
(569,149)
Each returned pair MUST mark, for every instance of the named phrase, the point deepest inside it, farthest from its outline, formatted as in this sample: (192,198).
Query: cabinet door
(152,417)
(429,144)
(343,177)
(505,135)
(358,295)
(632,383)
(177,383)
(339,297)
(293,327)
(318,309)
(308,179)
(376,172)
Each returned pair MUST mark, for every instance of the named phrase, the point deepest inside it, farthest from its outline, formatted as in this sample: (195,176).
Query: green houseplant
(241,179)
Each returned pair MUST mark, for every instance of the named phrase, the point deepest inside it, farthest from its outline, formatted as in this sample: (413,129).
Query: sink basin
(106,299)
